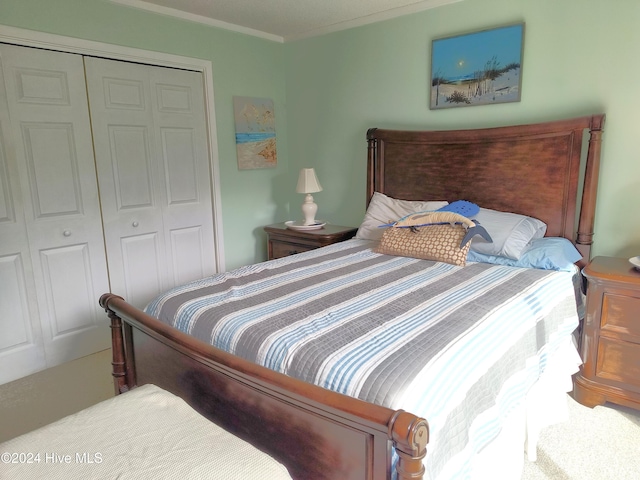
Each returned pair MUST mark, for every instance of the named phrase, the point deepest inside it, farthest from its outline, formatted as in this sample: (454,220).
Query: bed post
(410,435)
(119,371)
(589,193)
(372,154)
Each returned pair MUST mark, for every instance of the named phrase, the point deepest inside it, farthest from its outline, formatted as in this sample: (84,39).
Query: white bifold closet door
(153,170)
(52,262)
(105,185)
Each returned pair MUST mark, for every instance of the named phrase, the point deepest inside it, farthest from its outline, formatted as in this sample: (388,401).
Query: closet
(105,185)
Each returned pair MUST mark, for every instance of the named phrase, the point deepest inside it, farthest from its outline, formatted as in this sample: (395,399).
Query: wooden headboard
(546,170)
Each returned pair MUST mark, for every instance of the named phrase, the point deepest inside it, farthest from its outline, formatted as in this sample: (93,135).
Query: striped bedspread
(451,344)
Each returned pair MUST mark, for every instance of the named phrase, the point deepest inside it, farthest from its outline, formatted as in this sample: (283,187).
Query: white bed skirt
(545,405)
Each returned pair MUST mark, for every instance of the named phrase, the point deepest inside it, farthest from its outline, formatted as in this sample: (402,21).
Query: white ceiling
(283,20)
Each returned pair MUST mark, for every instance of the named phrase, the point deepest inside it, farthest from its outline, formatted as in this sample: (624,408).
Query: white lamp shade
(308,182)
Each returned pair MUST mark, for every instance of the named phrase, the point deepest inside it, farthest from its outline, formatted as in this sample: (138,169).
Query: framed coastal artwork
(479,68)
(255,132)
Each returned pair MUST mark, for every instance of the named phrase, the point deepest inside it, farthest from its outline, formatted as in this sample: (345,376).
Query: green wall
(579,58)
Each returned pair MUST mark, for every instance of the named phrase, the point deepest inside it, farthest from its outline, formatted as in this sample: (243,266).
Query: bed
(546,171)
(147,434)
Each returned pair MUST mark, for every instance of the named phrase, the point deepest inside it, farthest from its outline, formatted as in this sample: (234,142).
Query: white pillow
(511,233)
(383,209)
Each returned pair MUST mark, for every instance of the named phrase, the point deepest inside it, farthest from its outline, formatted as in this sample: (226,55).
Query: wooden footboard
(316,433)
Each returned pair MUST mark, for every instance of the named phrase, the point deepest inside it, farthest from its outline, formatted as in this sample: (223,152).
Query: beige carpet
(602,443)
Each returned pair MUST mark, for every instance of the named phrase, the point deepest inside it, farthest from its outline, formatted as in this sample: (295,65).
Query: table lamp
(308,183)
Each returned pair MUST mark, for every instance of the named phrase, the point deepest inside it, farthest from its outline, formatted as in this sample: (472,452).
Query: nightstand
(283,241)
(610,346)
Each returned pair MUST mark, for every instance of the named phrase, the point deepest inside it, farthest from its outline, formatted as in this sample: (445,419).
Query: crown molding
(373,18)
(192,17)
(419,6)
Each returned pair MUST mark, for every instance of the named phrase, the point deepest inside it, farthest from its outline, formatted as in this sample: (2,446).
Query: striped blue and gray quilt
(444,342)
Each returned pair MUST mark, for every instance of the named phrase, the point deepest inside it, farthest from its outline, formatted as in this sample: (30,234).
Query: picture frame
(255,133)
(478,68)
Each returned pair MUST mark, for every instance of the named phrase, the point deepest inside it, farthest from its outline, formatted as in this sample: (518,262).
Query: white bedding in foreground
(147,433)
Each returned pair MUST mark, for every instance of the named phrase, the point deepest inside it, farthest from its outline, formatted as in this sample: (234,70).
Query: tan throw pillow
(411,237)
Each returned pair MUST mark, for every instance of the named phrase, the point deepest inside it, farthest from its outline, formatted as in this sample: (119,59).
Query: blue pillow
(547,253)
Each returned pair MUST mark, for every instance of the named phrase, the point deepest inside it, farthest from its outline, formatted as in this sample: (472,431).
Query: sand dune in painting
(505,88)
(260,154)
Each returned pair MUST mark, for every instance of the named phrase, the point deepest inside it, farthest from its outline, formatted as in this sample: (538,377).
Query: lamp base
(309,209)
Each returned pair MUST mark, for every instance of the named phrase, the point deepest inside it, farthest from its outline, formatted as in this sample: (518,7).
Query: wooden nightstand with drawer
(610,346)
(283,241)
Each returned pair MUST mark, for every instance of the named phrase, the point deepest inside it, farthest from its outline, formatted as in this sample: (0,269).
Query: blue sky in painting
(253,114)
(455,57)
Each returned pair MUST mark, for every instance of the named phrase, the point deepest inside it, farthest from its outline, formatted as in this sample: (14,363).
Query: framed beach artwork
(255,132)
(479,68)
